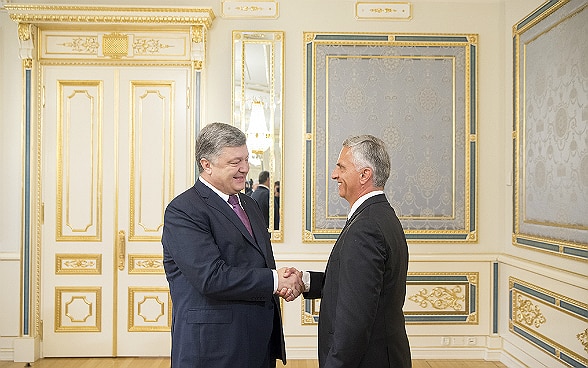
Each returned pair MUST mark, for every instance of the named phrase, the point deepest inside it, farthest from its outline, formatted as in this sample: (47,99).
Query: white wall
(492,20)
(10,184)
(11,136)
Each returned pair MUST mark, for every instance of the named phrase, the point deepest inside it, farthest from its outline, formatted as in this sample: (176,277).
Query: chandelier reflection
(258,136)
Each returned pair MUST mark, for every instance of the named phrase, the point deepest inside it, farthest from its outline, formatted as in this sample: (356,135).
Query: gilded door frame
(32,20)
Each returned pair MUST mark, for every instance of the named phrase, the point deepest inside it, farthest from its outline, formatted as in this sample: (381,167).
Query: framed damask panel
(550,140)
(418,94)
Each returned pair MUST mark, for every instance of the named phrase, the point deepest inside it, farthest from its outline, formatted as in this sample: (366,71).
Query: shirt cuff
(275,273)
(306,280)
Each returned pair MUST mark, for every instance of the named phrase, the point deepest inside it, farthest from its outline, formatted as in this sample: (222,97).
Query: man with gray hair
(361,322)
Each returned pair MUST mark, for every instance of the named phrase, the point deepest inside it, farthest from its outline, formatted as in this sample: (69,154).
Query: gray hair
(213,138)
(369,151)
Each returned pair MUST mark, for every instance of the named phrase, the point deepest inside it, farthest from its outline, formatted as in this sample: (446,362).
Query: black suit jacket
(361,323)
(224,311)
(261,195)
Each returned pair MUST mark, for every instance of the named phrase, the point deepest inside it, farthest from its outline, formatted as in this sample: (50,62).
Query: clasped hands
(290,284)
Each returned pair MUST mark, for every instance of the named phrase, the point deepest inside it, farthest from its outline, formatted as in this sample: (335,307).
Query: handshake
(290,284)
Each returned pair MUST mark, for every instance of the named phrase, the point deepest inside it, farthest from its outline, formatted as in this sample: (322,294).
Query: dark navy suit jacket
(224,311)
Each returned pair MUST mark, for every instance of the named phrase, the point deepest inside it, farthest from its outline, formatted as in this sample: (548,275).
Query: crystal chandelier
(258,135)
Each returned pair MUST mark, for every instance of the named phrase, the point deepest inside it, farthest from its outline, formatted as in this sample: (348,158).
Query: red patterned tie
(234,202)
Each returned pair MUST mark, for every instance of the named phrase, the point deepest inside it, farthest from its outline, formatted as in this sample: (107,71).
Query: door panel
(117,149)
(153,168)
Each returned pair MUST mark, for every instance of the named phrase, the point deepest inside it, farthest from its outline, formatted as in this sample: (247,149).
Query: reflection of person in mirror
(277,205)
(261,195)
(249,187)
(361,323)
(220,266)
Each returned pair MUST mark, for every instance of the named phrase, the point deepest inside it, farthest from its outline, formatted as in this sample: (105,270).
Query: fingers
(288,271)
(290,284)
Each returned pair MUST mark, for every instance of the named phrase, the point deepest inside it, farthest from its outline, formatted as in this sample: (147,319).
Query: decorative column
(26,346)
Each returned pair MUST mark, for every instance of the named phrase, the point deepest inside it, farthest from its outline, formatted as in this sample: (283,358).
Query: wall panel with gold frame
(537,315)
(431,298)
(550,140)
(417,93)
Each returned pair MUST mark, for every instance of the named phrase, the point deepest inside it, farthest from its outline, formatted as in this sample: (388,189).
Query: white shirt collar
(362,199)
(224,196)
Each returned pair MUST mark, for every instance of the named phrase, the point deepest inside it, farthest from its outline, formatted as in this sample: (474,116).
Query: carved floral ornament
(583,338)
(441,298)
(526,312)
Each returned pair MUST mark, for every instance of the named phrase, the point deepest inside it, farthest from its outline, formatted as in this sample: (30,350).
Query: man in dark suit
(221,269)
(361,323)
(277,205)
(262,195)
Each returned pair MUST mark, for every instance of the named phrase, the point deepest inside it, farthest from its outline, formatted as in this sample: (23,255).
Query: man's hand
(290,284)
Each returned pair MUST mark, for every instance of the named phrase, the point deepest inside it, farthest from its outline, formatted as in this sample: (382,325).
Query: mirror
(257,109)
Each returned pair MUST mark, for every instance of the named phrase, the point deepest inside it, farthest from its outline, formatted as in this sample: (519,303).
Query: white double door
(116,149)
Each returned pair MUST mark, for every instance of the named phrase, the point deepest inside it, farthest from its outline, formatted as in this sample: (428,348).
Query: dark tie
(234,202)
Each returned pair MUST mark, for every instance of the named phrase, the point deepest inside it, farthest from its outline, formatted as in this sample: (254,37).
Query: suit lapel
(216,202)
(356,214)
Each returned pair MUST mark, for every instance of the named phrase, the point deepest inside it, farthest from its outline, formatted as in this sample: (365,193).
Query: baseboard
(303,353)
(26,349)
(433,353)
(476,353)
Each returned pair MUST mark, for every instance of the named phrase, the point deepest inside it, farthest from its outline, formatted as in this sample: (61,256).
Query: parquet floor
(164,363)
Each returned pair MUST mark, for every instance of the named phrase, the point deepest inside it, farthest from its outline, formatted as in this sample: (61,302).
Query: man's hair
(213,138)
(263,177)
(369,151)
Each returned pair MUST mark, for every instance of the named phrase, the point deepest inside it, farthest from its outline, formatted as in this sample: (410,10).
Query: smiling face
(228,172)
(347,176)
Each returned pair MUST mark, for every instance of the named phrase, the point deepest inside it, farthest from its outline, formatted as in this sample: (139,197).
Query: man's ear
(205,165)
(365,175)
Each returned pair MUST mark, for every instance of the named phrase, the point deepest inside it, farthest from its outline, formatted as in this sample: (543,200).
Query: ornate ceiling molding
(97,15)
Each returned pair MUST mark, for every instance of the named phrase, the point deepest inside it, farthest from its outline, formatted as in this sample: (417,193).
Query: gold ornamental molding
(583,338)
(265,9)
(526,312)
(78,309)
(76,264)
(116,45)
(95,36)
(59,14)
(383,10)
(310,311)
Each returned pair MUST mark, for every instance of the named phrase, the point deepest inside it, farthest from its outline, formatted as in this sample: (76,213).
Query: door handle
(121,249)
